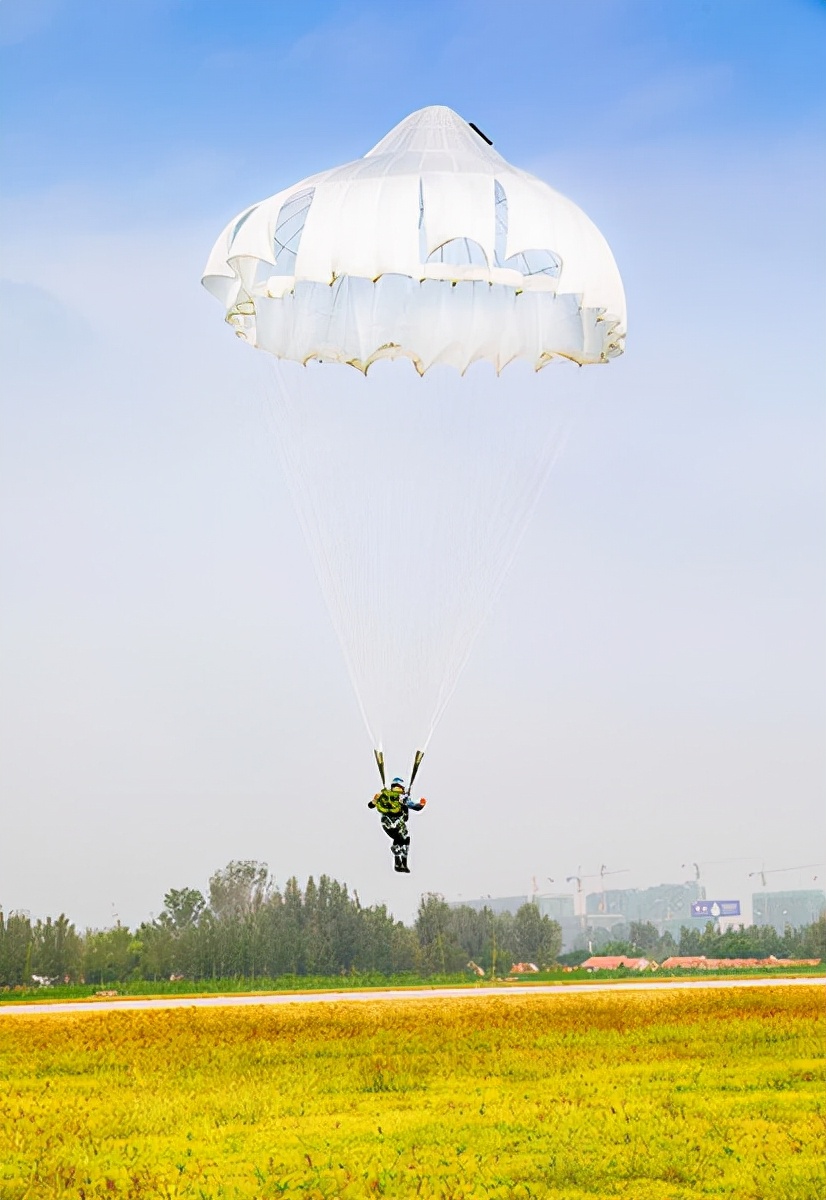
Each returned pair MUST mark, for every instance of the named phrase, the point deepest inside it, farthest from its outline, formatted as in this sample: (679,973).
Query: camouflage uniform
(393,806)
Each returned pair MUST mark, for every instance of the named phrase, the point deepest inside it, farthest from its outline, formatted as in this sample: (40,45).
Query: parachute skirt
(358,322)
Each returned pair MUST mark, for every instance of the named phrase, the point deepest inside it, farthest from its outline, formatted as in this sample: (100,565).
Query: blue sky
(103,94)
(169,667)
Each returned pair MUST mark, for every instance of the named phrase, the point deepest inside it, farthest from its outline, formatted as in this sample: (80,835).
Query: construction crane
(600,875)
(780,870)
(717,862)
(603,871)
(577,879)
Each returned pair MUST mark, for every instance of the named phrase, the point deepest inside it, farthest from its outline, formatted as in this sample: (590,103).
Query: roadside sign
(715,908)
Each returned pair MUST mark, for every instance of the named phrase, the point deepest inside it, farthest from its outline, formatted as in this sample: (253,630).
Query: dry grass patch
(658,1096)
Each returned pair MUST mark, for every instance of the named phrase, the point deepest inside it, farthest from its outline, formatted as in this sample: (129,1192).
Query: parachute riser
(417,761)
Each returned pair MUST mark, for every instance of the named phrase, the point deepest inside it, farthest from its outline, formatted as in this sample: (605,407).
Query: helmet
(397,782)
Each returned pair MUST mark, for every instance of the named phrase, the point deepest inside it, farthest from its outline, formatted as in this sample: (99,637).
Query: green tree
(813,939)
(239,889)
(472,929)
(536,938)
(439,951)
(644,938)
(183,907)
(744,941)
(56,949)
(158,943)
(110,955)
(290,927)
(15,949)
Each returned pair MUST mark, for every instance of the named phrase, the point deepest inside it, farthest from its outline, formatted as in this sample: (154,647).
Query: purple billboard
(715,908)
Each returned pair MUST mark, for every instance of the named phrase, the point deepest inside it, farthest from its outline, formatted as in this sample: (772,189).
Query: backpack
(389,803)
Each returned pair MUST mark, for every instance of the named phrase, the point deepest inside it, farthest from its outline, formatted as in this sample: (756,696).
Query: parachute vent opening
(526,262)
(501,222)
(242,220)
(535,262)
(483,136)
(459,252)
(289,227)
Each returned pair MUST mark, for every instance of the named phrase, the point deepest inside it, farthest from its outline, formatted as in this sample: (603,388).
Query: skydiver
(393,805)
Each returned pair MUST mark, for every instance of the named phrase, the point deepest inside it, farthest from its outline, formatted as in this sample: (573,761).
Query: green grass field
(666,1095)
(356,982)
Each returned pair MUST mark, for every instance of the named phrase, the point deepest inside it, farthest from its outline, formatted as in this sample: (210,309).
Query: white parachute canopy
(431,247)
(413,493)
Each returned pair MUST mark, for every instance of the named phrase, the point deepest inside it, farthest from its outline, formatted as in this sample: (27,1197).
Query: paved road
(540,989)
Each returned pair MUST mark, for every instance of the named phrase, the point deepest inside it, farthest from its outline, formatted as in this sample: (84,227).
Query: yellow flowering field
(662,1095)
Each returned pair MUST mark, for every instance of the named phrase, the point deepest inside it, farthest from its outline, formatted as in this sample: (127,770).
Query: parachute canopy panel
(431,247)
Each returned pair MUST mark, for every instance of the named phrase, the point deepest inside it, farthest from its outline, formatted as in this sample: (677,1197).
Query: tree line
(248,928)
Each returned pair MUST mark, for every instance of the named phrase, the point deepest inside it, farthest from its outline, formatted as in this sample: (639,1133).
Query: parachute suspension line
(551,451)
(413,496)
(284,412)
(380,765)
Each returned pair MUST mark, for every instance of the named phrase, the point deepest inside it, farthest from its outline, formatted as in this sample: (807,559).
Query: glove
(423,802)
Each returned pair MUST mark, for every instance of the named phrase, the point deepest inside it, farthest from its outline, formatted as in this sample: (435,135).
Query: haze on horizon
(650,690)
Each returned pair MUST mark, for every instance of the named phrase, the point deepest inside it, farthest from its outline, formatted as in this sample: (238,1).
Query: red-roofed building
(687,962)
(610,962)
(699,963)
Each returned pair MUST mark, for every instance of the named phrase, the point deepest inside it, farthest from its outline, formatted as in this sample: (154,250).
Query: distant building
(787,908)
(607,914)
(668,906)
(559,906)
(605,923)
